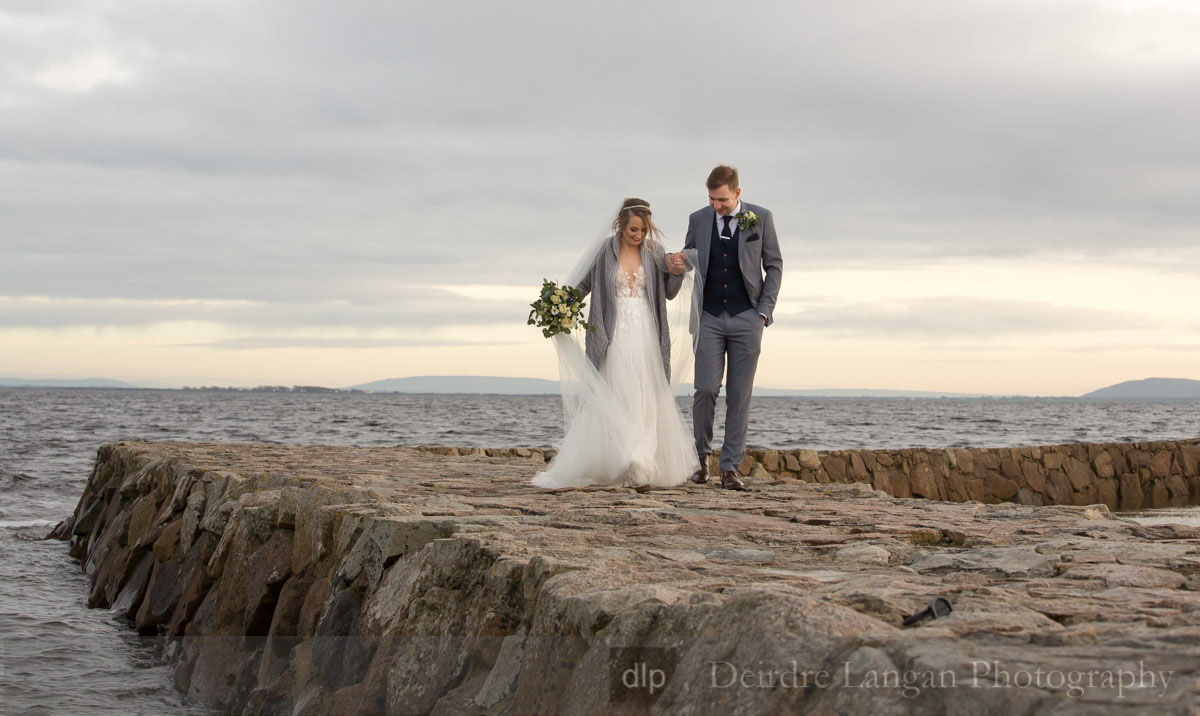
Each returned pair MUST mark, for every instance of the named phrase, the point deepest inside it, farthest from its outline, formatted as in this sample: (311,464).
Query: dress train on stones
(649,443)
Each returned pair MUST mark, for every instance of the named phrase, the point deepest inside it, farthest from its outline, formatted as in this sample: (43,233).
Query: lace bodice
(631,285)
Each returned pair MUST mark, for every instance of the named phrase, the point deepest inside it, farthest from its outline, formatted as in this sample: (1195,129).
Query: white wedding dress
(648,443)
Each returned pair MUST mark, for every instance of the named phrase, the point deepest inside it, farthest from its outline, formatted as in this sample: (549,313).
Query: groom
(734,244)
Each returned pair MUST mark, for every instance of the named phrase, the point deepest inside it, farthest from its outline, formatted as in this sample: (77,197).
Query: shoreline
(321,390)
(396,580)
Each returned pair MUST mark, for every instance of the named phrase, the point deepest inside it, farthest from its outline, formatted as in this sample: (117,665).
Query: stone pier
(316,580)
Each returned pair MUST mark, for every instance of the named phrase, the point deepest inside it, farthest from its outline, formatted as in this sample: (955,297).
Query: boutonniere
(747,219)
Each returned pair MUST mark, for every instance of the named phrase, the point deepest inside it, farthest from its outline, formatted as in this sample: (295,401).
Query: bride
(623,426)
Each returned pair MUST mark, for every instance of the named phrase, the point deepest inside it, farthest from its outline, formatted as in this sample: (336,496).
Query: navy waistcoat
(724,288)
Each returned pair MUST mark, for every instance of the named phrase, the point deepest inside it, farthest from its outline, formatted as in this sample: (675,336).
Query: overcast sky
(971,196)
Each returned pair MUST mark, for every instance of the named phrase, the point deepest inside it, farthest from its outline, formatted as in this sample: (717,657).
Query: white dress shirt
(732,224)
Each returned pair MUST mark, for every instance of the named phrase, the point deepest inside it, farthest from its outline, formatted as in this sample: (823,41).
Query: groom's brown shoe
(700,477)
(730,481)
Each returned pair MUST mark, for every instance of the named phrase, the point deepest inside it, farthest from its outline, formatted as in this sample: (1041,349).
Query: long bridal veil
(587,396)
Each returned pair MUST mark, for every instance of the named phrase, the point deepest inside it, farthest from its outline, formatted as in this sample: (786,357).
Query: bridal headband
(635,206)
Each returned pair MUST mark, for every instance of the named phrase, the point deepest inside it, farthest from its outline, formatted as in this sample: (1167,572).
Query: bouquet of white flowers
(559,309)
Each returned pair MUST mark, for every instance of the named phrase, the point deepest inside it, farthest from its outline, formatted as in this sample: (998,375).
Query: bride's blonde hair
(640,208)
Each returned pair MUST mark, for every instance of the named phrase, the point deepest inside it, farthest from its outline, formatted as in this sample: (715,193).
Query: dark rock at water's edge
(1150,389)
(395,580)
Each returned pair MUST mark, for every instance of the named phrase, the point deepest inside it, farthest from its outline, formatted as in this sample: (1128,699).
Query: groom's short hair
(723,176)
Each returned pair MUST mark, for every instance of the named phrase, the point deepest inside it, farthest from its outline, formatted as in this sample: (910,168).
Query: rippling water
(57,656)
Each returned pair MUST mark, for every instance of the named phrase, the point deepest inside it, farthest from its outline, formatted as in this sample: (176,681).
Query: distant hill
(538,386)
(1152,388)
(494,385)
(462,384)
(64,383)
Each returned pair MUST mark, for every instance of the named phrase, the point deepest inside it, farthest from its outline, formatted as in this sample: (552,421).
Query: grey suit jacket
(600,282)
(759,254)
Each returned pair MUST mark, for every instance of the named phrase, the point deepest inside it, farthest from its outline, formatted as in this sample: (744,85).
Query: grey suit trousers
(740,338)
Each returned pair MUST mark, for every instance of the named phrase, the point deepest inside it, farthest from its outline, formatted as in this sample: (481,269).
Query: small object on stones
(939,607)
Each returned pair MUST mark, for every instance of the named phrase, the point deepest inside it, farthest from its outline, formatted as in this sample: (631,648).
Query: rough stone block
(266,570)
(1001,487)
(193,583)
(1177,487)
(1053,460)
(835,467)
(1190,455)
(1033,477)
(162,594)
(1160,464)
(1131,493)
(1107,493)
(858,468)
(1025,496)
(113,563)
(977,490)
(771,460)
(130,597)
(956,488)
(1137,459)
(1159,495)
(141,519)
(965,460)
(1080,474)
(989,459)
(168,540)
(809,460)
(193,512)
(1058,489)
(922,482)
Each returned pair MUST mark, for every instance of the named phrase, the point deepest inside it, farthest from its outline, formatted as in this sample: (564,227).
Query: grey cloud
(953,318)
(309,152)
(408,310)
(267,343)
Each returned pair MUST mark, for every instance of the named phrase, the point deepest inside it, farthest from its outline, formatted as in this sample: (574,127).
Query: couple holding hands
(623,425)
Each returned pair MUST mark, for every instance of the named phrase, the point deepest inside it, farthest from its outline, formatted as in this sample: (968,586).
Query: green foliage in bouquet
(559,309)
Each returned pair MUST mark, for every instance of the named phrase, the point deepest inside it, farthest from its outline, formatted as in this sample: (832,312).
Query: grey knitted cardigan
(602,311)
